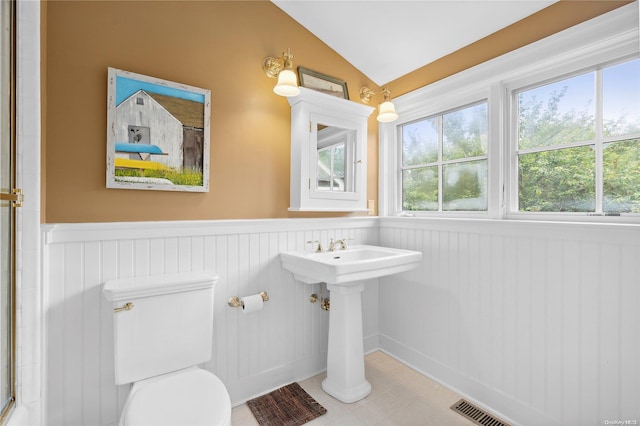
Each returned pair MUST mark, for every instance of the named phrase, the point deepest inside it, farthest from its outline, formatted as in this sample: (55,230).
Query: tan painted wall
(218,45)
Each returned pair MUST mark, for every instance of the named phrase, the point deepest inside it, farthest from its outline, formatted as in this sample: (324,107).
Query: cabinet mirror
(336,159)
(328,153)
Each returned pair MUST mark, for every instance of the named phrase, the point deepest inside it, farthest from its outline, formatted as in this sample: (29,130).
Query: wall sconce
(386,110)
(282,69)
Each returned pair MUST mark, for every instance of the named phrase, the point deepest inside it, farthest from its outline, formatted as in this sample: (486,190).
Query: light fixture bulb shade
(287,84)
(387,112)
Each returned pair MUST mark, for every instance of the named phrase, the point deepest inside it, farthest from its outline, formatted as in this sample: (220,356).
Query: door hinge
(16,197)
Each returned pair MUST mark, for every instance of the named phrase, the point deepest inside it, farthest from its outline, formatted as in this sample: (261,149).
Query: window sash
(598,142)
(440,162)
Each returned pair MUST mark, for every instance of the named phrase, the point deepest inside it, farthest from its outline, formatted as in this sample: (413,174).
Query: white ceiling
(387,39)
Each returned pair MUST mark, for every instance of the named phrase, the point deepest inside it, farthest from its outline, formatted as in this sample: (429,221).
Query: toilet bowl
(187,397)
(163,328)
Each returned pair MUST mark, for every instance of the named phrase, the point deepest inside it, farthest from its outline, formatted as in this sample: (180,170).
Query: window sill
(592,218)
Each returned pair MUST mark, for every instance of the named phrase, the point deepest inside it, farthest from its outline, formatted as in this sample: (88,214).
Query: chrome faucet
(341,243)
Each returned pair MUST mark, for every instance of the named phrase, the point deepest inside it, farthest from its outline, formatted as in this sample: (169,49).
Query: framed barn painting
(157,134)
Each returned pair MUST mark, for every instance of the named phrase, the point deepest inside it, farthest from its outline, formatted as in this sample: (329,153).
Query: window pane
(330,172)
(464,133)
(420,189)
(338,168)
(324,170)
(464,186)
(420,142)
(621,99)
(557,181)
(558,113)
(621,176)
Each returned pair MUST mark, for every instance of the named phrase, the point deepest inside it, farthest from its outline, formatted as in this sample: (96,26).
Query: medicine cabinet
(328,153)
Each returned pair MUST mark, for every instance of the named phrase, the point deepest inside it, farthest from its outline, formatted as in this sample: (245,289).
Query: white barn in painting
(142,112)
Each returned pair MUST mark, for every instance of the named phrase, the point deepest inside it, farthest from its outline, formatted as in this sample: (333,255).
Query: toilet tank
(168,327)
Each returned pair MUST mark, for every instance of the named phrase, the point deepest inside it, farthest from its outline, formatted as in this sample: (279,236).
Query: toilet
(163,328)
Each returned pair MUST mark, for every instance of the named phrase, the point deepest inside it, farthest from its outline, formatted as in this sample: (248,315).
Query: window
(334,168)
(139,134)
(578,143)
(444,161)
(330,174)
(556,137)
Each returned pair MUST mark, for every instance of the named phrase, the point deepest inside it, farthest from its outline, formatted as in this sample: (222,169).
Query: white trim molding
(29,323)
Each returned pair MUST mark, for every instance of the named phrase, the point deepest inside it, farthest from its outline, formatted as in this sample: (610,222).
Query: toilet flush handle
(126,307)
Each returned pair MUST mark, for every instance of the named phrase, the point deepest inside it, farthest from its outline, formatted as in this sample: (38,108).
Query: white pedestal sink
(344,272)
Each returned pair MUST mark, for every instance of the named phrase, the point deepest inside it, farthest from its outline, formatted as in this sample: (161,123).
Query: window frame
(598,141)
(390,148)
(440,162)
(607,39)
(331,149)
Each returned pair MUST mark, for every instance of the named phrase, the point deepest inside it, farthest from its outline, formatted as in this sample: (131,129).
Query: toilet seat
(191,396)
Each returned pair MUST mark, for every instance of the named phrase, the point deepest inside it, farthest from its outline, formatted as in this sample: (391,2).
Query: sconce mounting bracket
(272,66)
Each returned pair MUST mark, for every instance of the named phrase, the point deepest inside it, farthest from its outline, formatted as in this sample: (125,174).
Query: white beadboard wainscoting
(253,353)
(539,322)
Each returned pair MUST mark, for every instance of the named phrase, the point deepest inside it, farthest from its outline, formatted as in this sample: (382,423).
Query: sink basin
(342,267)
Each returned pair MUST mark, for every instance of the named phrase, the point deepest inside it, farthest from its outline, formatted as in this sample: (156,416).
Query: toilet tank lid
(153,285)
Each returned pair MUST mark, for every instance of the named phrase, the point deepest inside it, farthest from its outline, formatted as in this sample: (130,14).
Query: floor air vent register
(476,415)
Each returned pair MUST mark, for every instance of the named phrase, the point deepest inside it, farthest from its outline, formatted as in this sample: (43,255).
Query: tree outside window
(579,143)
(444,161)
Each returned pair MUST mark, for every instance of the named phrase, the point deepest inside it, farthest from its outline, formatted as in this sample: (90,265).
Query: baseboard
(371,343)
(253,386)
(503,406)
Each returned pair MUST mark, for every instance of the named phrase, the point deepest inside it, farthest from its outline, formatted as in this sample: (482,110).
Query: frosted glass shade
(287,84)
(387,112)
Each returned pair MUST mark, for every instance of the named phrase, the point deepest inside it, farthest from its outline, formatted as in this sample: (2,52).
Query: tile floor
(399,396)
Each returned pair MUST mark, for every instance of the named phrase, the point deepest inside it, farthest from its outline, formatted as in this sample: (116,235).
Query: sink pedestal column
(345,360)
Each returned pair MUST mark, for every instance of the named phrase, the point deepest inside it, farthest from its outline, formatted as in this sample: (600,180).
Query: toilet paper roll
(252,303)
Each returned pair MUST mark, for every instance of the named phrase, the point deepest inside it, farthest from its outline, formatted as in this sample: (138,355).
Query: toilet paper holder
(235,301)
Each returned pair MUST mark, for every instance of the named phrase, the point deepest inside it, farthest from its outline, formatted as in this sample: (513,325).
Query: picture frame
(158,134)
(322,83)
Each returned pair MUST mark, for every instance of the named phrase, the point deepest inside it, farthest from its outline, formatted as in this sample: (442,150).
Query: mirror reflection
(335,169)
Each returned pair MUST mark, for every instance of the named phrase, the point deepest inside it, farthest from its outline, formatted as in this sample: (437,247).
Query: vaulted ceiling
(388,39)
